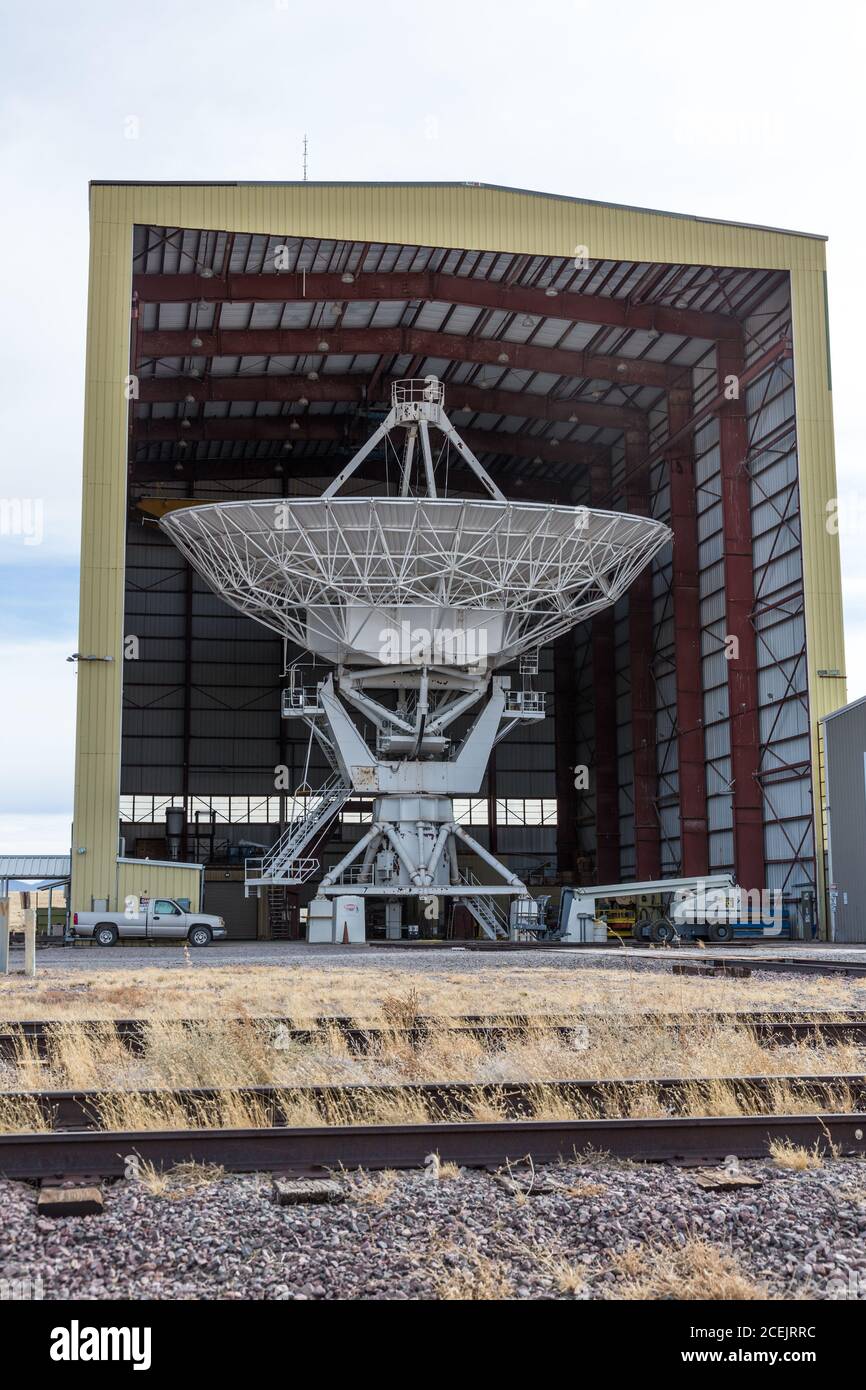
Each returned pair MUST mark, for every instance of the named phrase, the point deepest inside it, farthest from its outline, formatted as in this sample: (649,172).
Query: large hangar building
(242,342)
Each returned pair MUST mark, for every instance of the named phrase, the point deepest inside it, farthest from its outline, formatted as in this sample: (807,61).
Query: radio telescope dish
(343,577)
(417,599)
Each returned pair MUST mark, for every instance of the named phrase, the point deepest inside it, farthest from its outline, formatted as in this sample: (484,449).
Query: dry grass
(402,1010)
(231,1053)
(367,990)
(228,1055)
(695,1270)
(438,1171)
(476,1279)
(586,1189)
(180,1181)
(373,1189)
(230,1108)
(21,1114)
(795,1157)
(567,1277)
(857,1195)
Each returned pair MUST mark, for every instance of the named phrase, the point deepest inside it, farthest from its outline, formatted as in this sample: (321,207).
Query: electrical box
(349,919)
(320,920)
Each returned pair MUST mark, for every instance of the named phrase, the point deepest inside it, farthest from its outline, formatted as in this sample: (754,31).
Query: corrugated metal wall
(845,766)
(135,878)
(785,771)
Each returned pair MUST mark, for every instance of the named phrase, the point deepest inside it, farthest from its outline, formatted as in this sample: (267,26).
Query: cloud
(35,833)
(37,714)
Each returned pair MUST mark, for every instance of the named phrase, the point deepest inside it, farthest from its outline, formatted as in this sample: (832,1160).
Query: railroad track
(493,1030)
(318,1149)
(450,1100)
(647,951)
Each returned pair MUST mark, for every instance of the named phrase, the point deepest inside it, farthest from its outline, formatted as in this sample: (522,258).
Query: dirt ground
(208,983)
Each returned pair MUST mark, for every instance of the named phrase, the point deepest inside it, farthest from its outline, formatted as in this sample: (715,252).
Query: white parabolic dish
(353,578)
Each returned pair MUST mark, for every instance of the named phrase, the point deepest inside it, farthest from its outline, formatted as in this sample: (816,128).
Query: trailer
(712,907)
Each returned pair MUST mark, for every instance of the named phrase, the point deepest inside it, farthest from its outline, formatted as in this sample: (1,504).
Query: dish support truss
(345,578)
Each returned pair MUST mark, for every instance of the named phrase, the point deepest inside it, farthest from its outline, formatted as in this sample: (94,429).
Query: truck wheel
(106,934)
(662,930)
(720,931)
(200,936)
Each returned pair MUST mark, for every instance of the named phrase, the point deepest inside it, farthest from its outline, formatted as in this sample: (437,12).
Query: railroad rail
(494,1030)
(448,1100)
(682,1140)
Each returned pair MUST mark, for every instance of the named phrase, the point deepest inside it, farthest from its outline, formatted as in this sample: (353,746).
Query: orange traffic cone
(345,934)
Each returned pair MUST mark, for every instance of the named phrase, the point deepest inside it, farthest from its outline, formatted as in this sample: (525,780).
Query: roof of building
(35,866)
(446,183)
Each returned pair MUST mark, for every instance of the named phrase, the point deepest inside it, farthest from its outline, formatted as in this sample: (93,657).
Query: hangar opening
(678,741)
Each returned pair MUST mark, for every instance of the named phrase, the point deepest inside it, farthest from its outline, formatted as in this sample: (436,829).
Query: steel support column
(647,841)
(605,772)
(492,817)
(565,744)
(739,603)
(186,737)
(691,751)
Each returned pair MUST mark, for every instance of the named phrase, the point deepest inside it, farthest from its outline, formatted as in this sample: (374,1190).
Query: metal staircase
(486,911)
(285,862)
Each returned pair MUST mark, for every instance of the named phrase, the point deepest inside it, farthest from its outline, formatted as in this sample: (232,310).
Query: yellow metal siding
(144,880)
(464,217)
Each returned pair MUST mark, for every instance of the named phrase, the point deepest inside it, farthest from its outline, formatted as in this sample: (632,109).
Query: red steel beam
(143,473)
(312,427)
(281,287)
(605,773)
(409,342)
(643,710)
(356,389)
(691,753)
(777,352)
(739,602)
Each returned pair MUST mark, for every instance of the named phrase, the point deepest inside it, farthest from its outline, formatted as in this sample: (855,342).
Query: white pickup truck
(149,919)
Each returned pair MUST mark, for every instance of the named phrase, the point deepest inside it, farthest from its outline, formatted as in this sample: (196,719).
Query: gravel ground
(411,1236)
(222,953)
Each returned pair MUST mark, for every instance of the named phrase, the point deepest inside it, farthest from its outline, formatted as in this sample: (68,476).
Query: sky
(749,112)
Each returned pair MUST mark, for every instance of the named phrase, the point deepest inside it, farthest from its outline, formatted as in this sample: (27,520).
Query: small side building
(844,765)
